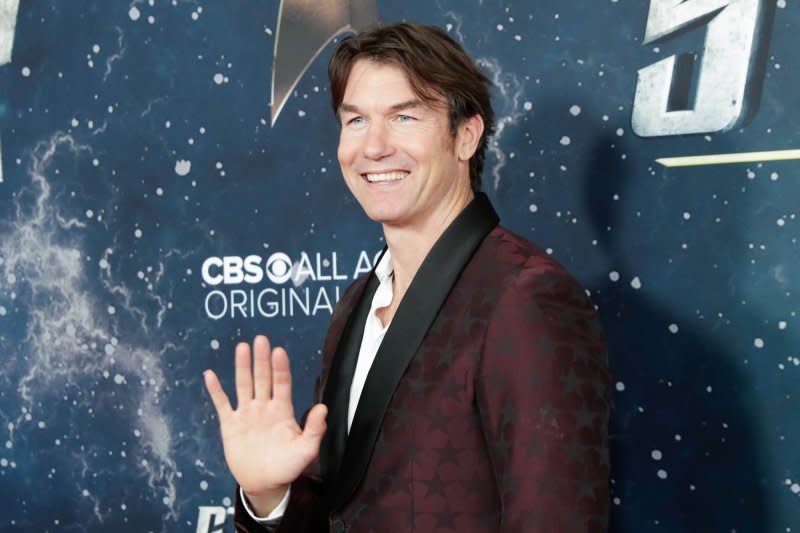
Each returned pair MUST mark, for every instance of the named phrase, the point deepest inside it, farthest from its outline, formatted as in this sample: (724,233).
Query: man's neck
(409,245)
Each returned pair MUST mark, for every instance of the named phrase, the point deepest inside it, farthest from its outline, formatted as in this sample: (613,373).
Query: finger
(262,373)
(281,376)
(218,396)
(244,377)
(315,425)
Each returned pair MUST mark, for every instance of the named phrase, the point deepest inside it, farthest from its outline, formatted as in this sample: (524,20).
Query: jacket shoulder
(510,254)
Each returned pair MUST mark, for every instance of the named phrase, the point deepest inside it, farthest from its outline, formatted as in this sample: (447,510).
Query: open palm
(264,446)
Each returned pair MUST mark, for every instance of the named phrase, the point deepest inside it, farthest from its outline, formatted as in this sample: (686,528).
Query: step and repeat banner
(170,186)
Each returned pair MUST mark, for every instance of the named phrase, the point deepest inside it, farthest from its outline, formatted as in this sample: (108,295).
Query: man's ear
(468,136)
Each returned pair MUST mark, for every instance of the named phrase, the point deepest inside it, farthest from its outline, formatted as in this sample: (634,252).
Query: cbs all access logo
(279,285)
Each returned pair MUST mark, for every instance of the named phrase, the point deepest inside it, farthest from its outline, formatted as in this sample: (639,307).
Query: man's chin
(386,216)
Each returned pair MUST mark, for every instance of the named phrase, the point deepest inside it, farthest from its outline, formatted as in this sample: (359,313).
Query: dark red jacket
(486,408)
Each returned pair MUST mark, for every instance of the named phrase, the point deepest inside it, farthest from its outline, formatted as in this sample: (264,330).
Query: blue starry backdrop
(155,209)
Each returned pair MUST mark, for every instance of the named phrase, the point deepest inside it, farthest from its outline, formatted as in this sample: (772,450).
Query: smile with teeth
(385,176)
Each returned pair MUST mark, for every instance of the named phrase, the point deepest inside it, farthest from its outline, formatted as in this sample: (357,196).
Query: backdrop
(170,187)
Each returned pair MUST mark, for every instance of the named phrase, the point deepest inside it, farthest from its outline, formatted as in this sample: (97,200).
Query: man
(463,383)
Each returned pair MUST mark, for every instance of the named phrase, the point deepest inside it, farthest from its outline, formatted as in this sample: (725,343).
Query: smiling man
(464,384)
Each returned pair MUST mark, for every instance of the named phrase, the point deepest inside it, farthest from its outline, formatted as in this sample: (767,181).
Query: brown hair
(436,66)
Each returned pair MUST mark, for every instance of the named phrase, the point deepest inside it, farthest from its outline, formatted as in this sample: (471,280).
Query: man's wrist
(263,504)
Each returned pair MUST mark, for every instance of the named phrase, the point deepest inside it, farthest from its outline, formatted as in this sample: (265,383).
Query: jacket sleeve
(543,394)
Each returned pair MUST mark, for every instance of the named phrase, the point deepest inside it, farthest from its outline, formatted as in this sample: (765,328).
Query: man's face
(396,152)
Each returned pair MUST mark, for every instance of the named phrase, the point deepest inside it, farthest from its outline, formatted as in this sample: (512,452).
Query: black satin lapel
(425,296)
(336,395)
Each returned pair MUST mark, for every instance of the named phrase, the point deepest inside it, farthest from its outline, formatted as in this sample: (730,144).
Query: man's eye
(355,121)
(405,118)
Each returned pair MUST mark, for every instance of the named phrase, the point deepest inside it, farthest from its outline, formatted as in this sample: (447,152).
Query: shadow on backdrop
(684,447)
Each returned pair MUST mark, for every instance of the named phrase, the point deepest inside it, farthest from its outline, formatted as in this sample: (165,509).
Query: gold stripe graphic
(724,159)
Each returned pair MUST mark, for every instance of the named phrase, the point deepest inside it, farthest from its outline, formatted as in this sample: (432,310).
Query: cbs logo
(233,269)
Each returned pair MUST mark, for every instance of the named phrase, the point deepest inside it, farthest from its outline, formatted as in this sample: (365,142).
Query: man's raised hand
(264,446)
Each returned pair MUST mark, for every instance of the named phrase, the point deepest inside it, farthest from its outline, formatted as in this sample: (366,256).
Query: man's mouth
(378,177)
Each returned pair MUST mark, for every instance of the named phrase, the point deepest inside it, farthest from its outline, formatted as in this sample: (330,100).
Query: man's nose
(378,141)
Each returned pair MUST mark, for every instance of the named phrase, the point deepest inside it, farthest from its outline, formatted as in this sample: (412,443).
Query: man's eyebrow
(408,104)
(347,108)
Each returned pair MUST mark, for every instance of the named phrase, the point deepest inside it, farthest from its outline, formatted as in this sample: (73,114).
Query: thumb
(315,424)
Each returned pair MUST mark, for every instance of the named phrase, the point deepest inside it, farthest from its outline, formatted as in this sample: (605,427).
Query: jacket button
(338,526)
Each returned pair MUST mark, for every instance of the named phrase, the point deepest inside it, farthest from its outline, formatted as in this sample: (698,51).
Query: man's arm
(273,519)
(543,394)
(303,512)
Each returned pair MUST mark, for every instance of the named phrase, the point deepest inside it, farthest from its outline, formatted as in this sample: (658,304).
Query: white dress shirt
(374,331)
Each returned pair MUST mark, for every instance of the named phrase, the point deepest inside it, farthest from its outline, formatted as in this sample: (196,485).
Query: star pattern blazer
(486,408)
